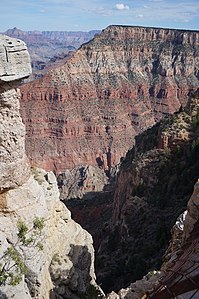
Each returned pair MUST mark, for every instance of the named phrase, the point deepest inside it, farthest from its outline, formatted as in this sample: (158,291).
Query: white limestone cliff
(64,268)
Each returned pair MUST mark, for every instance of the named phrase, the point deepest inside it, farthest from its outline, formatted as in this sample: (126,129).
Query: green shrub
(92,292)
(12,265)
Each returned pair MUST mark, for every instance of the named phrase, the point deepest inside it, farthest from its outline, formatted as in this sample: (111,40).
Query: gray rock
(14,65)
(81,180)
(14,59)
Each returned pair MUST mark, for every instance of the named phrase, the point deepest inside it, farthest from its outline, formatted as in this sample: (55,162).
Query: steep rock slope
(89,110)
(179,274)
(155,181)
(60,265)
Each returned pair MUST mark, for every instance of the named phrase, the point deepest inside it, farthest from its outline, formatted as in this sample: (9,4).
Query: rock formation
(14,64)
(181,272)
(63,267)
(88,193)
(80,181)
(89,110)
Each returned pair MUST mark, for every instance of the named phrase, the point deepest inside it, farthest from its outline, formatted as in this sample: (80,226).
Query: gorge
(129,96)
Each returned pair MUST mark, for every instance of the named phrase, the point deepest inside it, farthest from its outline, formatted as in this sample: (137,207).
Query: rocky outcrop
(79,181)
(15,61)
(57,268)
(14,65)
(180,273)
(61,266)
(89,110)
(137,289)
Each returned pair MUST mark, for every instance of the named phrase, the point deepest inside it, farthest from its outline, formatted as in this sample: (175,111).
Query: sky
(85,15)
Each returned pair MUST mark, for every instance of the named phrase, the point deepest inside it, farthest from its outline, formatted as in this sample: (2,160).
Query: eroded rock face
(14,65)
(80,181)
(89,110)
(180,274)
(153,186)
(14,59)
(64,267)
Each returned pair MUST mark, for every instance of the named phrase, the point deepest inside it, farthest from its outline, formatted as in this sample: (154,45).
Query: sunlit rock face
(89,110)
(14,65)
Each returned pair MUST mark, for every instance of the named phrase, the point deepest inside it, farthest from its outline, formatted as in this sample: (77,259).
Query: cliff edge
(61,264)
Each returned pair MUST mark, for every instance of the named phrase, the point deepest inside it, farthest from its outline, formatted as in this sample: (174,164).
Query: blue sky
(86,15)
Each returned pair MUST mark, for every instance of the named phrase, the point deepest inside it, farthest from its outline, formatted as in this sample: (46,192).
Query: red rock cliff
(89,110)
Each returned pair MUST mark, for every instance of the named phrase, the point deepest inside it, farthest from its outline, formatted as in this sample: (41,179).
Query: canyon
(89,110)
(106,104)
(132,224)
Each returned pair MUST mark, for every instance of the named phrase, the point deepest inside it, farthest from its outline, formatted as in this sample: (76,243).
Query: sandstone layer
(89,110)
(62,266)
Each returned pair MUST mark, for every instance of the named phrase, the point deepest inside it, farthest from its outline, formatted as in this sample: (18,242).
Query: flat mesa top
(14,59)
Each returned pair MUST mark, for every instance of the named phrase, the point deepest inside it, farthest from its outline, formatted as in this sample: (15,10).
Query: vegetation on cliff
(154,184)
(12,266)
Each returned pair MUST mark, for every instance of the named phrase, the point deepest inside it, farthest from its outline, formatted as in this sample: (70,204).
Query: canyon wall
(57,262)
(153,185)
(179,273)
(89,110)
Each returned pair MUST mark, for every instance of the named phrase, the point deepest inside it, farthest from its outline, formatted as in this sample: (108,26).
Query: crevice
(6,52)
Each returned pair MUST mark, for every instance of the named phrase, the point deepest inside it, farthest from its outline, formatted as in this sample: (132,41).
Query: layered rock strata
(14,64)
(89,110)
(63,267)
